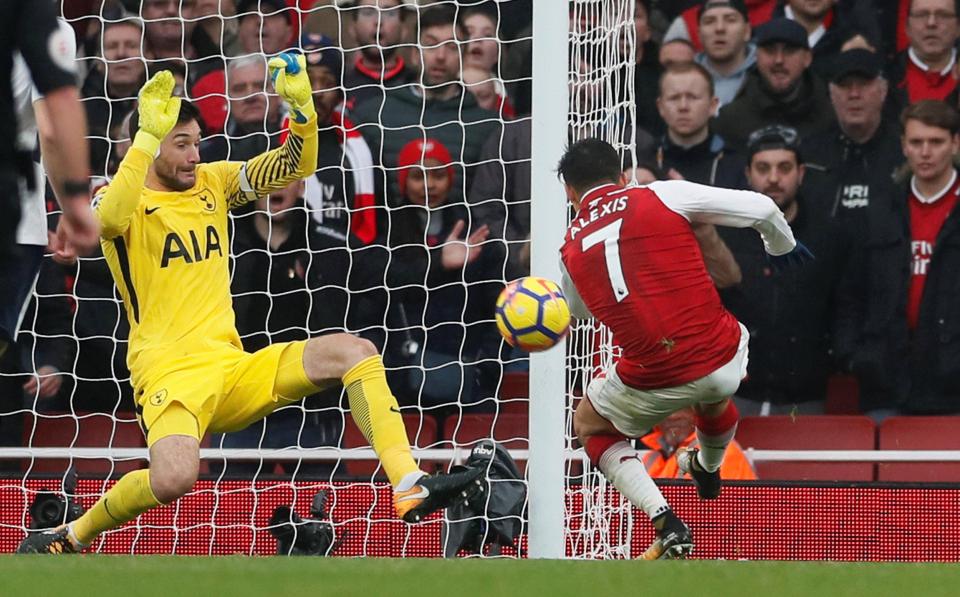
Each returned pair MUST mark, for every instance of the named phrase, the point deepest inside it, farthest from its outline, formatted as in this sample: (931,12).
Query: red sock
(714,435)
(598,444)
(721,424)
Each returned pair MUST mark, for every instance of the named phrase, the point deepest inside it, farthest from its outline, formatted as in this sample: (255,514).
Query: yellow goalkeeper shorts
(220,390)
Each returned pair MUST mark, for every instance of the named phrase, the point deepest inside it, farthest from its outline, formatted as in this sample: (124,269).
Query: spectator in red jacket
(899,318)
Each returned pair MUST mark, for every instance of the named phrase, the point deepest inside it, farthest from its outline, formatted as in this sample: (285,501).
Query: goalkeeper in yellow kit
(164,235)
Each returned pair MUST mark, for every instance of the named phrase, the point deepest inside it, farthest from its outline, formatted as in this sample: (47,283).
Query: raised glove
(288,71)
(795,258)
(157,109)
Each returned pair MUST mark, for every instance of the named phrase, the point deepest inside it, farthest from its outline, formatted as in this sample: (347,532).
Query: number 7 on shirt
(609,235)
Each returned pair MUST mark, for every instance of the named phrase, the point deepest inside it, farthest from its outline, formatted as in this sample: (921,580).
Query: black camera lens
(47,511)
(52,510)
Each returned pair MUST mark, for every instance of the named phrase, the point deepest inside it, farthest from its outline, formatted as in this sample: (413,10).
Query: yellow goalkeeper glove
(157,111)
(288,71)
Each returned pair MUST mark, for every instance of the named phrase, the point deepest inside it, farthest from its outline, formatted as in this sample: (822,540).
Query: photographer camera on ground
(52,508)
(297,537)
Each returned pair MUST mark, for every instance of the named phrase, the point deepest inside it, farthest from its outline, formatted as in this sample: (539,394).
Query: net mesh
(602,60)
(342,252)
(854,523)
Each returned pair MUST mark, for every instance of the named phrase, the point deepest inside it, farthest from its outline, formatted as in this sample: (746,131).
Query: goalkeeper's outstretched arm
(273,170)
(157,114)
(297,157)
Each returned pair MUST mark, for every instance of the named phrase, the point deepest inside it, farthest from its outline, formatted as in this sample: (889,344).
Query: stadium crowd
(843,111)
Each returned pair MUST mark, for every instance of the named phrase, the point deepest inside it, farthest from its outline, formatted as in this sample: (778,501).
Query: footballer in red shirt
(631,260)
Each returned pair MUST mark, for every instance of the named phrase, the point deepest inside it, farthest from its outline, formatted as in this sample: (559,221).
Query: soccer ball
(532,314)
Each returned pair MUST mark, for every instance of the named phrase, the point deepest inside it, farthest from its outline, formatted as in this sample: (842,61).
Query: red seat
(83,430)
(843,395)
(421,431)
(824,432)
(508,429)
(205,463)
(514,393)
(920,433)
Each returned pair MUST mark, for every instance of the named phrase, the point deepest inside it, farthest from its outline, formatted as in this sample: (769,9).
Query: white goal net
(367,245)
(602,60)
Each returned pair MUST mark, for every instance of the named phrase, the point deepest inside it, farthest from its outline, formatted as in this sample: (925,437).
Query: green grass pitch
(341,577)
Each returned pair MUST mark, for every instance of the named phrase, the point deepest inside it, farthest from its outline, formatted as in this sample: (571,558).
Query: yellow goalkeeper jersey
(168,251)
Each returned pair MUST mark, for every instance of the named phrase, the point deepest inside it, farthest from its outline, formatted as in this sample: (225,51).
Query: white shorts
(635,412)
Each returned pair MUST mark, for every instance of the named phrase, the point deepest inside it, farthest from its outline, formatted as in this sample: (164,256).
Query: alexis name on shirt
(596,213)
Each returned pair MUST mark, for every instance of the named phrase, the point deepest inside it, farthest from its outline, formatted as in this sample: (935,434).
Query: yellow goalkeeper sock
(377,414)
(129,498)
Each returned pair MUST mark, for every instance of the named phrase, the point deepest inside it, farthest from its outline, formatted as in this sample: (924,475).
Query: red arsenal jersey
(922,83)
(637,267)
(926,220)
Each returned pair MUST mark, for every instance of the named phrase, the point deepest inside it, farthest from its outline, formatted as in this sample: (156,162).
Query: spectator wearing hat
(851,166)
(440,281)
(377,27)
(830,24)
(254,122)
(438,106)
(782,89)
(789,313)
(899,323)
(727,52)
(927,69)
(686,25)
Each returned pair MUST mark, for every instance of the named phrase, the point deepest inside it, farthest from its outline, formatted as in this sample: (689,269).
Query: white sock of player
(73,538)
(714,435)
(712,449)
(409,480)
(622,465)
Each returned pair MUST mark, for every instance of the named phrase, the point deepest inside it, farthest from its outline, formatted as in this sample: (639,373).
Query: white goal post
(548,221)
